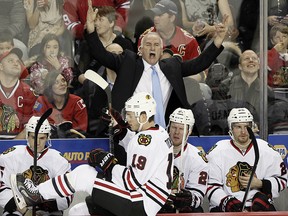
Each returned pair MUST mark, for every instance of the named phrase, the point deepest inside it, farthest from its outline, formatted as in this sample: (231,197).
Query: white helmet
(31,126)
(141,102)
(239,115)
(183,116)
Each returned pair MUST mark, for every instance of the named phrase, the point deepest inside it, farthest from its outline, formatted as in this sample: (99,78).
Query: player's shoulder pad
(211,149)
(265,144)
(8,150)
(271,146)
(203,156)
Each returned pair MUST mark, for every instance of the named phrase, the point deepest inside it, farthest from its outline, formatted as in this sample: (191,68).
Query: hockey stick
(35,156)
(183,143)
(256,150)
(98,80)
(39,123)
(181,173)
(184,140)
(103,84)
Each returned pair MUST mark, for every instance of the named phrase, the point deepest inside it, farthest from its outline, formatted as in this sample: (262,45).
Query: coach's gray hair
(151,33)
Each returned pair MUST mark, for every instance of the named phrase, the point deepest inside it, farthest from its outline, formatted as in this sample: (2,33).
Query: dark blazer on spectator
(129,68)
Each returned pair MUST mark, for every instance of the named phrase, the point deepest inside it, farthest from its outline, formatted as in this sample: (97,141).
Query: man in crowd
(16,97)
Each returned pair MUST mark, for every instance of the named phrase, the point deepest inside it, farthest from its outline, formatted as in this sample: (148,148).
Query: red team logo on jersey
(144,139)
(181,49)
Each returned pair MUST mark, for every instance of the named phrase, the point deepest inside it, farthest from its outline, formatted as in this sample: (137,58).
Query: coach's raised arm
(134,72)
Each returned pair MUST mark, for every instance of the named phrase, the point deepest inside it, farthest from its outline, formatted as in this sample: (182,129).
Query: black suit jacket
(129,68)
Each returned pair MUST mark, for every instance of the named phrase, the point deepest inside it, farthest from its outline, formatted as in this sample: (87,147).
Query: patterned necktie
(157,94)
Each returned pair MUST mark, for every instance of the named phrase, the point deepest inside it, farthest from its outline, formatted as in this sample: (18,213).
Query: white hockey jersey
(149,167)
(18,159)
(226,162)
(195,170)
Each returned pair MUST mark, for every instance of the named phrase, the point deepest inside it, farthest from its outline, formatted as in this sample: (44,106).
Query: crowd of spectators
(51,37)
(198,61)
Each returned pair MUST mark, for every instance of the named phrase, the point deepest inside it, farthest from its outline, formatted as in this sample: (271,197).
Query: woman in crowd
(66,106)
(50,58)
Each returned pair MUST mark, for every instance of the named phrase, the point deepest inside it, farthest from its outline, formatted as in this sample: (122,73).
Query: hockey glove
(168,207)
(60,130)
(120,129)
(182,199)
(101,159)
(230,204)
(262,202)
(106,117)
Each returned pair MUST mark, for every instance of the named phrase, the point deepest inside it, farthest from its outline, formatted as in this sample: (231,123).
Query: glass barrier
(250,72)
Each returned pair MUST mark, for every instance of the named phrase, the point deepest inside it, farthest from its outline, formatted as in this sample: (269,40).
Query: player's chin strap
(141,124)
(231,134)
(240,146)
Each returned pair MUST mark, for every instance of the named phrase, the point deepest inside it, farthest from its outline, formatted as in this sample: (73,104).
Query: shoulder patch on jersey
(169,142)
(144,139)
(37,106)
(271,146)
(213,147)
(9,150)
(281,149)
(81,104)
(203,156)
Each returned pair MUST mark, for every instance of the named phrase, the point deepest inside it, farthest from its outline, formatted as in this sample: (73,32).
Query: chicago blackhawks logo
(178,180)
(232,177)
(9,120)
(144,139)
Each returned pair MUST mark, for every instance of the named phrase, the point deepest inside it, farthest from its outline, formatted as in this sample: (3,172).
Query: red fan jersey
(74,110)
(16,107)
